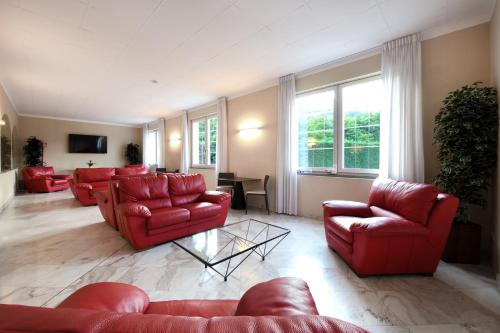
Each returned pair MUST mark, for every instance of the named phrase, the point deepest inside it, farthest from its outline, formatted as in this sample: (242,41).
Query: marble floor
(50,246)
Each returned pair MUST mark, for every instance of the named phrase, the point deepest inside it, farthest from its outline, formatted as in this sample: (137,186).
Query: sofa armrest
(62,177)
(278,297)
(101,196)
(133,209)
(108,296)
(346,208)
(83,186)
(388,226)
(214,197)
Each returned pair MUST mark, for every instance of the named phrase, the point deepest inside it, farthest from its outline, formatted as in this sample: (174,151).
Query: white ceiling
(95,59)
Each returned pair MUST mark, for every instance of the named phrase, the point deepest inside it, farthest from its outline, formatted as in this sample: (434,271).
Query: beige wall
(173,143)
(495,78)
(8,178)
(448,63)
(55,133)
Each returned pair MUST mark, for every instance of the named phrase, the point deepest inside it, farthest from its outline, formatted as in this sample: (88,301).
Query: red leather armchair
(281,305)
(402,229)
(43,180)
(87,181)
(154,210)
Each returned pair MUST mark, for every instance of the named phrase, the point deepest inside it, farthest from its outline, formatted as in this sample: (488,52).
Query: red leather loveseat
(154,210)
(402,229)
(87,181)
(43,180)
(283,305)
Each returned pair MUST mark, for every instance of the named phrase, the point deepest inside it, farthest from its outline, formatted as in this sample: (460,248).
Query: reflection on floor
(50,246)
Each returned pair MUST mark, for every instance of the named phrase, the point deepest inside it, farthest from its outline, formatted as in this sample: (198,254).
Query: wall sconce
(175,140)
(2,122)
(250,129)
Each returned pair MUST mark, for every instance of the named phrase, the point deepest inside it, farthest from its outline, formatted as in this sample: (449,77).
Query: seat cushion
(59,182)
(200,210)
(339,225)
(165,217)
(410,200)
(194,308)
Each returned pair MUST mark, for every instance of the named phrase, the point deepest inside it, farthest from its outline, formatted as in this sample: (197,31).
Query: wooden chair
(260,194)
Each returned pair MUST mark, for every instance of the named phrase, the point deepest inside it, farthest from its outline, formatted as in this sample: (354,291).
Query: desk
(238,201)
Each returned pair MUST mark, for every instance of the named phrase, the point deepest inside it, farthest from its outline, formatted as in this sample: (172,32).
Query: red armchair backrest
(93,175)
(135,166)
(32,172)
(185,189)
(151,192)
(410,200)
(130,171)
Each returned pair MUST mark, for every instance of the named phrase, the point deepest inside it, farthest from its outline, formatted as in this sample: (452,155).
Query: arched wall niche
(5,145)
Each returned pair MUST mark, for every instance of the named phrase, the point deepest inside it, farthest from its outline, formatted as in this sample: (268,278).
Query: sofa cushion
(108,296)
(339,225)
(164,217)
(130,171)
(205,308)
(200,210)
(59,182)
(151,192)
(277,297)
(40,171)
(92,175)
(410,200)
(185,189)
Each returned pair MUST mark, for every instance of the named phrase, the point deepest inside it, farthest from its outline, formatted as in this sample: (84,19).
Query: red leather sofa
(43,180)
(87,181)
(283,305)
(106,200)
(402,229)
(155,210)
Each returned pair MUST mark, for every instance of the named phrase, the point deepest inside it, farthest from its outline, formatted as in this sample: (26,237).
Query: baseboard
(6,203)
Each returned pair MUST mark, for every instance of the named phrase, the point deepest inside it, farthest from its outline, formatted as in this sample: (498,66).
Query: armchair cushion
(164,217)
(108,296)
(67,177)
(93,175)
(386,226)
(200,210)
(131,171)
(410,200)
(278,297)
(346,208)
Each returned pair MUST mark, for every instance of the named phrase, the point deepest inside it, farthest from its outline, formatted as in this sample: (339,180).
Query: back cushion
(40,171)
(92,175)
(129,171)
(151,192)
(185,189)
(411,200)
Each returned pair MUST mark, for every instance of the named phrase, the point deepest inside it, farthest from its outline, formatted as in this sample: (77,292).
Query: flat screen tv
(88,144)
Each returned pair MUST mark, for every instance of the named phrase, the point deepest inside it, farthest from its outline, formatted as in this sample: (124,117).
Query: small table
(238,201)
(233,243)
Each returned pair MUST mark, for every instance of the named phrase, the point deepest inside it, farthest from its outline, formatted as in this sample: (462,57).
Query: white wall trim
(440,31)
(78,120)
(9,98)
(259,87)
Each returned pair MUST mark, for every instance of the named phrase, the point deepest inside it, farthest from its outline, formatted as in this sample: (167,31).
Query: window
(152,148)
(204,138)
(339,128)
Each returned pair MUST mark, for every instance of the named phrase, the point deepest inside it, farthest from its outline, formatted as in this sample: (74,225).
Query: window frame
(338,133)
(205,119)
(157,149)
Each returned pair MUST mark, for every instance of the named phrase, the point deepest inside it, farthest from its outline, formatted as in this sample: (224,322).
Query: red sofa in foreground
(402,229)
(283,305)
(87,181)
(43,180)
(155,210)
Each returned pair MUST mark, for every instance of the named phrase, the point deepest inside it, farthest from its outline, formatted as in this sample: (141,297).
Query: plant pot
(464,244)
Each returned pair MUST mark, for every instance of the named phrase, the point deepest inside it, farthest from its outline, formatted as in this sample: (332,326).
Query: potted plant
(467,134)
(33,152)
(132,153)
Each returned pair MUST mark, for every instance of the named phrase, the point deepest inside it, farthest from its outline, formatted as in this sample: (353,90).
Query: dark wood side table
(238,201)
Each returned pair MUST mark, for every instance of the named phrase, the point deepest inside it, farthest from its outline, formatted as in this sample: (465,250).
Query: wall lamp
(250,129)
(2,122)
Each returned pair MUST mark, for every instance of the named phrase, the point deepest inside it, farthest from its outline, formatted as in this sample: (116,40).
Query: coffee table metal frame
(233,238)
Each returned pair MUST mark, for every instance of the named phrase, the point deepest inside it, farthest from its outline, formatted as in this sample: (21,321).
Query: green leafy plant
(33,152)
(6,149)
(132,153)
(467,134)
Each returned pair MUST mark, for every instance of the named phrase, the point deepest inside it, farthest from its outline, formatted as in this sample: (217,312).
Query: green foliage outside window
(213,140)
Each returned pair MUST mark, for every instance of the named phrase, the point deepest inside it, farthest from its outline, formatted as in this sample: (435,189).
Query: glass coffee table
(228,246)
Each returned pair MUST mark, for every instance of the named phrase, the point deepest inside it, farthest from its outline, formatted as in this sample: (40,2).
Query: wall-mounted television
(88,144)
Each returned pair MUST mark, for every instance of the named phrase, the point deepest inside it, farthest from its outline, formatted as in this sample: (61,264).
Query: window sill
(336,175)
(202,167)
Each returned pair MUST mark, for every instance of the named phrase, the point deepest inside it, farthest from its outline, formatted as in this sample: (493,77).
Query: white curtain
(144,143)
(185,143)
(286,173)
(402,155)
(161,143)
(222,160)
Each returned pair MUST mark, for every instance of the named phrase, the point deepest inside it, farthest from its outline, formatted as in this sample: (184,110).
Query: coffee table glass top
(238,239)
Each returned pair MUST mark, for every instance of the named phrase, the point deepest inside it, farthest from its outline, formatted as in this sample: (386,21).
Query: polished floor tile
(50,246)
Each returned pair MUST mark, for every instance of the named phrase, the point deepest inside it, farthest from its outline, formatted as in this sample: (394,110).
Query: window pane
(361,104)
(199,142)
(152,148)
(315,129)
(213,140)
